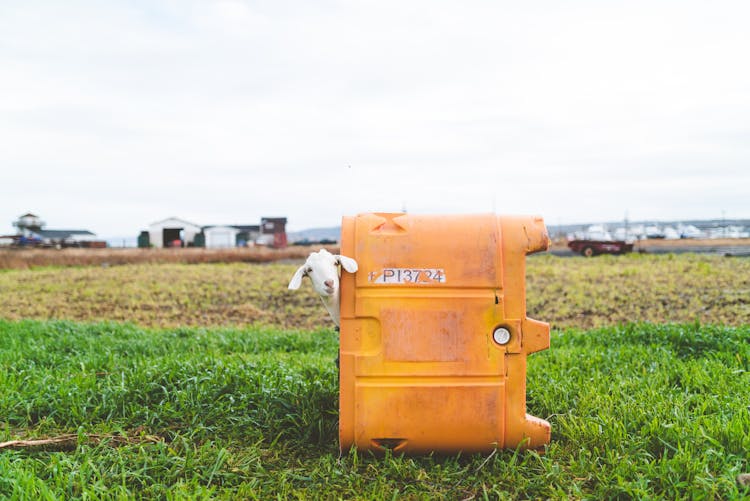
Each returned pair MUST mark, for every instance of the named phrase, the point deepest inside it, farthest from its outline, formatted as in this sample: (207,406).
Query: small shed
(173,232)
(220,237)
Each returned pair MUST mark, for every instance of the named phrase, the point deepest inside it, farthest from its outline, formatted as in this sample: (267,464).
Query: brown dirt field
(24,259)
(566,292)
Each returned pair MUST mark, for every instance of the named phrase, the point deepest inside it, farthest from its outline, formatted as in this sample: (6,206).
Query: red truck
(590,248)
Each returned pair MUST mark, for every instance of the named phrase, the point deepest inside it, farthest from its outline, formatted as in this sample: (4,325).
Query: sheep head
(322,269)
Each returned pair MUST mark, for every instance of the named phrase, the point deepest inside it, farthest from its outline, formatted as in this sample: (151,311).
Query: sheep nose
(329,283)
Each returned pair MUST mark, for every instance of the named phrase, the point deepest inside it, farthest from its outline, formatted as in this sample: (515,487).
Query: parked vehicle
(591,248)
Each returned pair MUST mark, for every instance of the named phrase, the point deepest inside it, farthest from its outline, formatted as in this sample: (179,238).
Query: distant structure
(656,231)
(28,224)
(170,232)
(273,232)
(176,232)
(31,233)
(247,234)
(224,237)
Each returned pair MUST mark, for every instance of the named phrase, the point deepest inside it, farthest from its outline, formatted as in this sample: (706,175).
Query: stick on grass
(69,441)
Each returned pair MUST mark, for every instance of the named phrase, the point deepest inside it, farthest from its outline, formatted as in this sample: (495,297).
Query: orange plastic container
(434,333)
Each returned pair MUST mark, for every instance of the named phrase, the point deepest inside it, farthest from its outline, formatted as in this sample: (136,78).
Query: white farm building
(220,237)
(173,232)
(176,232)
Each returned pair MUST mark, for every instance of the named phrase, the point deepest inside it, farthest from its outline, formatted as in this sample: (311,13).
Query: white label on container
(407,276)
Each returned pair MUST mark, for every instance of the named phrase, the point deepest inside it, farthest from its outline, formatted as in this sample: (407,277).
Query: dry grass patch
(609,290)
(23,259)
(567,292)
(164,295)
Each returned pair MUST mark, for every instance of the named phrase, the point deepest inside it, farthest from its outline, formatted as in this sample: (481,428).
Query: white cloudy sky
(115,114)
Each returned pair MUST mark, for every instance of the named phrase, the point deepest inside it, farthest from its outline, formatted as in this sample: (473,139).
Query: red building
(273,231)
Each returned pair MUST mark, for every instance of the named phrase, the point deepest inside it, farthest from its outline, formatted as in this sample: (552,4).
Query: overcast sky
(116,114)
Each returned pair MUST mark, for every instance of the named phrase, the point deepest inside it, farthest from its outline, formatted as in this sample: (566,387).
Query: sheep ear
(296,280)
(347,263)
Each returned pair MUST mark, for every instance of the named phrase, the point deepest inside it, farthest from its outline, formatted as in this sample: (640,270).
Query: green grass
(637,411)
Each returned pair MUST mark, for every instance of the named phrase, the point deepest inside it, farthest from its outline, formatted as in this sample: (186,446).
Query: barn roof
(241,227)
(62,234)
(177,219)
(247,227)
(273,220)
(219,226)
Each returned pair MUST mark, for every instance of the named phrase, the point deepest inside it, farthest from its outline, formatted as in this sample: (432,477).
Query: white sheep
(322,269)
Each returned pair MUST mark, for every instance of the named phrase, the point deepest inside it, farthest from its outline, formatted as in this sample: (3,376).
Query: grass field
(188,400)
(637,411)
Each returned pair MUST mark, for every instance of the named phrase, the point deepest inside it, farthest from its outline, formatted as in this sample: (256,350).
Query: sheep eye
(308,270)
